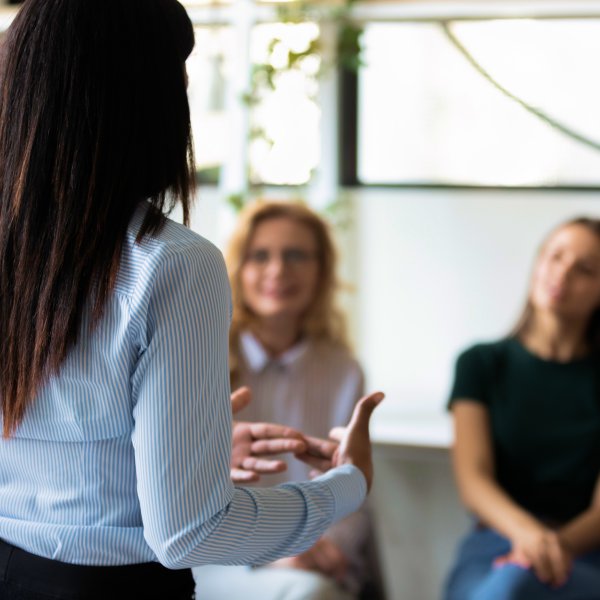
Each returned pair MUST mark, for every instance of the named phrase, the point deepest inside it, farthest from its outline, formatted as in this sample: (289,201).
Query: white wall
(439,270)
(436,271)
(433,271)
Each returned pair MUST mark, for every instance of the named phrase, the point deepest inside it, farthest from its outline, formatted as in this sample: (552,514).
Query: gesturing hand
(252,441)
(319,454)
(355,443)
(348,445)
(240,399)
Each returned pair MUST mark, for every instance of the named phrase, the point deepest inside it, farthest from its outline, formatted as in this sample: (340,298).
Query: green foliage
(339,212)
(264,76)
(236,201)
(349,47)
(208,175)
(348,51)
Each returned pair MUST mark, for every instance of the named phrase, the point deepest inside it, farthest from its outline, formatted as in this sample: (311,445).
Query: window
(208,71)
(284,134)
(427,115)
(283,138)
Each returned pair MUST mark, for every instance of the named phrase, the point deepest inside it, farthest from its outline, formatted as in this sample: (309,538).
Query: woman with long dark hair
(527,445)
(114,386)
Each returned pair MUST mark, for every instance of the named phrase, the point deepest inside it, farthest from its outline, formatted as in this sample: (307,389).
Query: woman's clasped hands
(540,549)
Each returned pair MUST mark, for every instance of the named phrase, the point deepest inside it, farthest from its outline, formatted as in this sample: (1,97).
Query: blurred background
(443,140)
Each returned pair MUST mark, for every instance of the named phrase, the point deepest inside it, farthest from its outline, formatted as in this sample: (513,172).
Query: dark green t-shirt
(545,420)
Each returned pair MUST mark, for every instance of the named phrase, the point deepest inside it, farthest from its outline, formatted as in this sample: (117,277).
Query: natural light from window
(427,116)
(284,147)
(283,144)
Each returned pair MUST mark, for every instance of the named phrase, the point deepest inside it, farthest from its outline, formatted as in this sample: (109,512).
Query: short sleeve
(471,377)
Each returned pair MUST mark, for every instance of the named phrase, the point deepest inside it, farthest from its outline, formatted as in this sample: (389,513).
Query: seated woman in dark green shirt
(527,437)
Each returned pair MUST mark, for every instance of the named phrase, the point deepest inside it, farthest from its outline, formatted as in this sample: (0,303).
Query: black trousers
(25,576)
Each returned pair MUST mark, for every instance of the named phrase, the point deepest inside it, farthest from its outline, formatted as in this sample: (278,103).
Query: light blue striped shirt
(124,456)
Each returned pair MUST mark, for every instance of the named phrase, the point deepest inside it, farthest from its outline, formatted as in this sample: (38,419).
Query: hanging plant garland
(281,60)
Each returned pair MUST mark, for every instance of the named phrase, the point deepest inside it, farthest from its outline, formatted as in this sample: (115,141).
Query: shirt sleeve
(471,377)
(191,512)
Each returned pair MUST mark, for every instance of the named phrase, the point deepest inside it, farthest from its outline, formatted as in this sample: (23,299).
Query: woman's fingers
(558,562)
(321,448)
(263,466)
(271,438)
(355,447)
(242,476)
(255,440)
(319,453)
(363,411)
(252,468)
(278,446)
(550,562)
(240,399)
(337,434)
(319,464)
(542,568)
(514,557)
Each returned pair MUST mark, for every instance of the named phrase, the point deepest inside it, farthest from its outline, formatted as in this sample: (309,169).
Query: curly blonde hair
(322,320)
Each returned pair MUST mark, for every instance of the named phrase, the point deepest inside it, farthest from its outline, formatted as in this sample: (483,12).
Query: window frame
(343,92)
(437,12)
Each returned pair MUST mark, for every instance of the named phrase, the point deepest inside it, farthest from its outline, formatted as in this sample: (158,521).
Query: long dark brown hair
(592,332)
(94,119)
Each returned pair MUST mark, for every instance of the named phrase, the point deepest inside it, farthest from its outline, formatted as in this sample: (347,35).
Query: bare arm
(533,543)
(582,534)
(473,462)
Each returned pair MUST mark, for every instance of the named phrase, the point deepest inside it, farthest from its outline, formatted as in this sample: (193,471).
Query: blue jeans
(473,576)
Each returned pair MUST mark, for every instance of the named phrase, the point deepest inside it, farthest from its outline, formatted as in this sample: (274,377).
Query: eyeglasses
(290,257)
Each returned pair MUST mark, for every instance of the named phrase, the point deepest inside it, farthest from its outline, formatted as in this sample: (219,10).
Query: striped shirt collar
(257,358)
